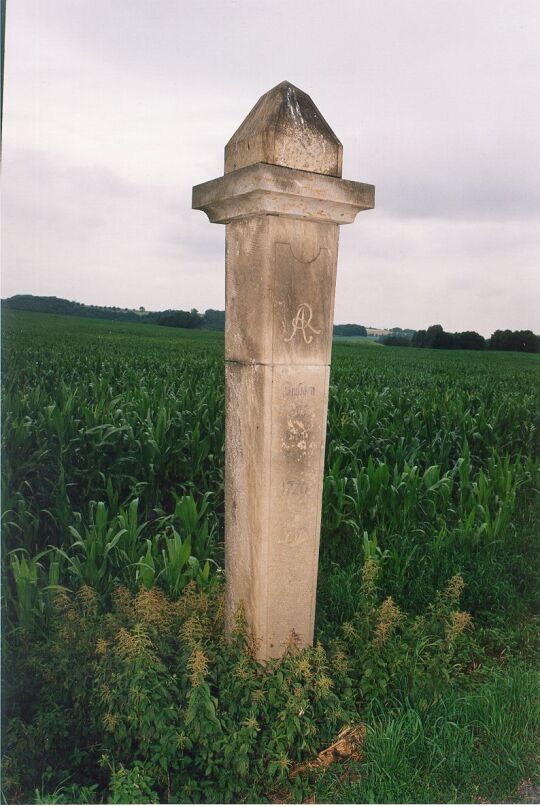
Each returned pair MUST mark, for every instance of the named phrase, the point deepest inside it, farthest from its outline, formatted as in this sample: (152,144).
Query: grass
(468,747)
(113,476)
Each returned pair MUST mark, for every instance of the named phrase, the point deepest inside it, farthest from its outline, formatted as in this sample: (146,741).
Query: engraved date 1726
(294,487)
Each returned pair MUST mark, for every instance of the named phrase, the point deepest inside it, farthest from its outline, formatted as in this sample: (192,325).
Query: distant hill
(211,320)
(58,305)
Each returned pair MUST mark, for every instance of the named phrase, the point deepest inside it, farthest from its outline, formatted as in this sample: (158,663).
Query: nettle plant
(150,695)
(149,700)
(208,722)
(393,655)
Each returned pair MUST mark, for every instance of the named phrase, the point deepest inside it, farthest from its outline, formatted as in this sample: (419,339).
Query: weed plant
(144,698)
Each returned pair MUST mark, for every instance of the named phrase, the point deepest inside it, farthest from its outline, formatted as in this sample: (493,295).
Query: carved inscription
(293,538)
(297,439)
(298,407)
(302,323)
(303,301)
(294,487)
(299,390)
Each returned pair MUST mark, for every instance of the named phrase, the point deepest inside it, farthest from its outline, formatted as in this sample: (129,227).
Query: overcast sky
(115,108)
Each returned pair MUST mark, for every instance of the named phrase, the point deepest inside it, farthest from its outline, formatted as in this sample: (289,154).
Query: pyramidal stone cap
(285,128)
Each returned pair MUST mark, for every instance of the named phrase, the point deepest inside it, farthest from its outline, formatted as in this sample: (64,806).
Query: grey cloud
(467,186)
(86,233)
(197,240)
(114,110)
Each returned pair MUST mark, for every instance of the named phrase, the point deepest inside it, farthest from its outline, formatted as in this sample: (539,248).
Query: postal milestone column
(282,199)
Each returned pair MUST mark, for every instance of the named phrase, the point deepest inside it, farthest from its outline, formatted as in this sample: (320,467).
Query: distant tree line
(177,319)
(436,337)
(396,340)
(401,331)
(349,330)
(211,320)
(523,341)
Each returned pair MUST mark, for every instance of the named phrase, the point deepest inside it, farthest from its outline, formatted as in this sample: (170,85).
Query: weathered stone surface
(273,190)
(247,444)
(285,128)
(280,284)
(279,301)
(281,255)
(275,433)
(279,292)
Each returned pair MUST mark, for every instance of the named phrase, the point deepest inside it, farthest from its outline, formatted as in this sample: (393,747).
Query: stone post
(282,200)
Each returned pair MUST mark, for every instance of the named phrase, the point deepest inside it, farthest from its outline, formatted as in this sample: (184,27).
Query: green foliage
(132,786)
(213,320)
(394,657)
(178,319)
(522,341)
(155,703)
(118,683)
(436,337)
(349,330)
(436,458)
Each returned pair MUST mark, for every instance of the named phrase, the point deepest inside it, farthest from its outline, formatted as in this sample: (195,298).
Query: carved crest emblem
(302,323)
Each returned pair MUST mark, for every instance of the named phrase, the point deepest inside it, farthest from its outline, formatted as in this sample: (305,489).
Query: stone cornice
(263,189)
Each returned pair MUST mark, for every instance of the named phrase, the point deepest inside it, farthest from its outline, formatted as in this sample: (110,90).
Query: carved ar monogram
(302,322)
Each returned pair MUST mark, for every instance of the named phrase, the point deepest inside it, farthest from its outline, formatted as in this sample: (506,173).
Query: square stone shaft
(280,283)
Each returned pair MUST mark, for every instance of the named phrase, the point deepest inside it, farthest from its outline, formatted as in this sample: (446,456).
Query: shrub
(148,700)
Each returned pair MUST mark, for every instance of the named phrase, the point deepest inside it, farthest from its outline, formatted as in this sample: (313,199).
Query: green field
(364,341)
(117,683)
